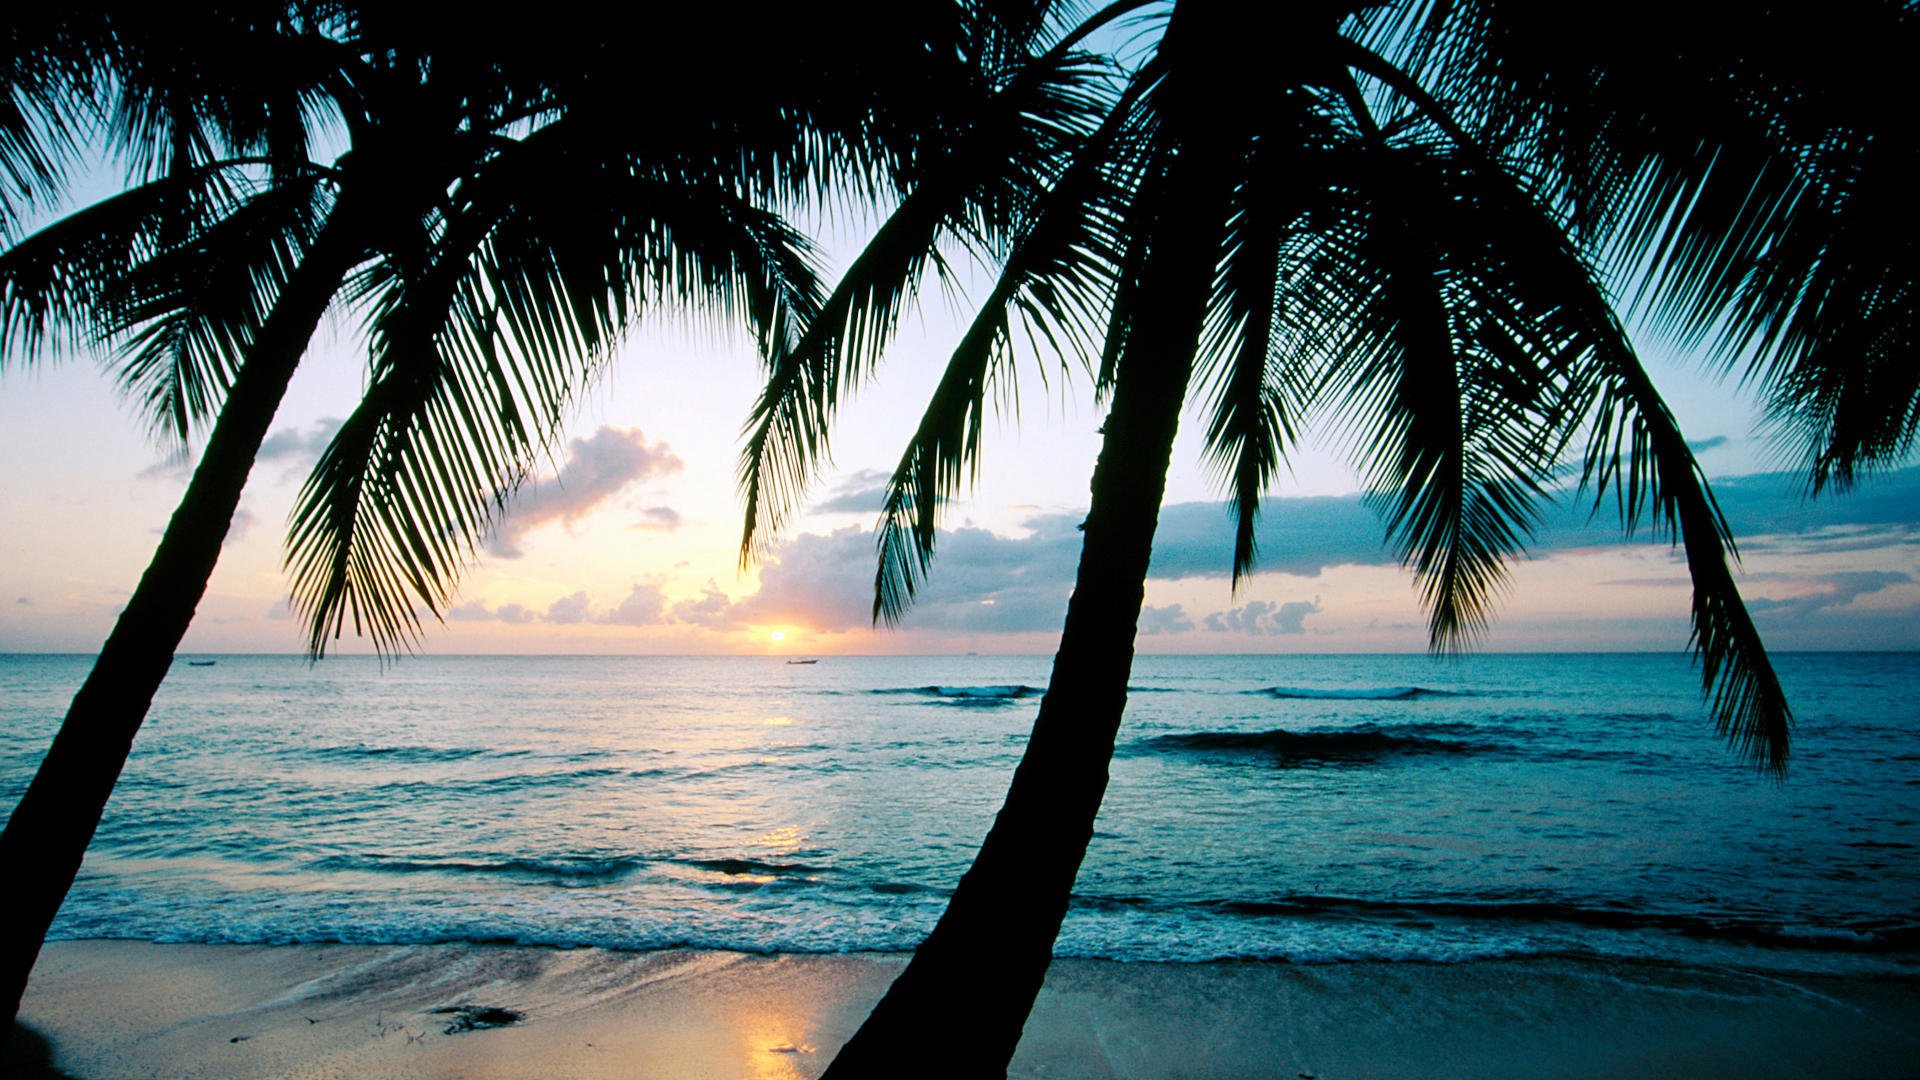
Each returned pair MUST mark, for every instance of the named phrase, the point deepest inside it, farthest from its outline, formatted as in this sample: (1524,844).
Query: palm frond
(1753,173)
(50,65)
(972,191)
(190,312)
(64,286)
(1460,465)
(1551,307)
(1638,458)
(478,357)
(1253,394)
(1055,281)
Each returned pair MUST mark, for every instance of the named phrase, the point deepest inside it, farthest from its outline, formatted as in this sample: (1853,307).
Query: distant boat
(201,663)
(803,661)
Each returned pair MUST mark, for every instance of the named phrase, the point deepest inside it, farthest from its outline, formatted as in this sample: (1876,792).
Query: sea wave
(401,754)
(1358,693)
(883,917)
(1847,935)
(579,869)
(754,867)
(1367,742)
(967,695)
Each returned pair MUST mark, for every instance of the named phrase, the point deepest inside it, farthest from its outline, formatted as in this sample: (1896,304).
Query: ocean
(1307,809)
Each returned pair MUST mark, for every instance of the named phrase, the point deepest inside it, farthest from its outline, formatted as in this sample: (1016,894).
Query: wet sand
(105,1010)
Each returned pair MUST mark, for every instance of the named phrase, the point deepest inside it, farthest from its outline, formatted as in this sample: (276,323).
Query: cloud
(1299,536)
(471,611)
(174,467)
(1164,620)
(1824,591)
(1304,536)
(1703,445)
(985,583)
(301,445)
(597,468)
(980,583)
(568,609)
(659,519)
(713,608)
(644,606)
(1261,617)
(863,492)
(22,601)
(243,520)
(641,607)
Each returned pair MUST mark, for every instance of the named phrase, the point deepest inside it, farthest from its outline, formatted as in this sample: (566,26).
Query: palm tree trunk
(977,974)
(48,833)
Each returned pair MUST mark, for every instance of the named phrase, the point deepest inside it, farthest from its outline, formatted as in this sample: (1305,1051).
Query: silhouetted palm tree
(502,212)
(1402,224)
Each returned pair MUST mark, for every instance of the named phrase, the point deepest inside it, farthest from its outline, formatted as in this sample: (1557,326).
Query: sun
(778,635)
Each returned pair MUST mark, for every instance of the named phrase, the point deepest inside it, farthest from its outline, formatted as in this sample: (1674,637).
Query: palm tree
(499,218)
(1389,222)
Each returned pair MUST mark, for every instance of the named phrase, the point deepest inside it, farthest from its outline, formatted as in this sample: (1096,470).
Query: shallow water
(1304,808)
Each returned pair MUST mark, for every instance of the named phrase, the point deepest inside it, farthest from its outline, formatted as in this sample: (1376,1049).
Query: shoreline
(126,1009)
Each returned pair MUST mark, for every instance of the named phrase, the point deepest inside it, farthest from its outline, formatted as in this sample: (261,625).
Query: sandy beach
(104,1009)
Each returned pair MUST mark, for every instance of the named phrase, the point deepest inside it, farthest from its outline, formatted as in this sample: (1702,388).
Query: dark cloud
(1836,539)
(1164,620)
(1772,505)
(597,468)
(863,492)
(1299,536)
(1767,511)
(1703,445)
(984,583)
(1262,617)
(1828,591)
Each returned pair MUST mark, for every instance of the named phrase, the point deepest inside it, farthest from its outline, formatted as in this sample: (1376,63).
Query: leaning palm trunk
(981,968)
(48,834)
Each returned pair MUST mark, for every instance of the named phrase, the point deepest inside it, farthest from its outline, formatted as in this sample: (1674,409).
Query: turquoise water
(1301,808)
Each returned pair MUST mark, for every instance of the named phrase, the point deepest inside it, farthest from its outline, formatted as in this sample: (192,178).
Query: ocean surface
(1299,808)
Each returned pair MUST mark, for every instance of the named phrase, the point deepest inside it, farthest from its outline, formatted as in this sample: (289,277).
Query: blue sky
(627,543)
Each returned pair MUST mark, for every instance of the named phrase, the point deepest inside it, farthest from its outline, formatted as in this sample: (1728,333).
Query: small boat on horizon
(803,661)
(201,663)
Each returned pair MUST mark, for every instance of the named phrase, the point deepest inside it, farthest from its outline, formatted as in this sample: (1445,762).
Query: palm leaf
(1013,145)
(64,286)
(1056,279)
(190,312)
(477,359)
(1638,457)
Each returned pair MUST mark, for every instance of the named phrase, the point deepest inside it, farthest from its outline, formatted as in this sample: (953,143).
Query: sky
(627,541)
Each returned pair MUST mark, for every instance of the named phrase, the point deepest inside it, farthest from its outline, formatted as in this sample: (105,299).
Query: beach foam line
(132,1010)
